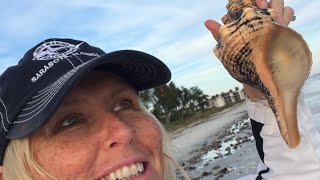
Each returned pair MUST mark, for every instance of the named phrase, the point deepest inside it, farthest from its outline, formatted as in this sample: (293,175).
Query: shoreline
(230,155)
(241,161)
(221,147)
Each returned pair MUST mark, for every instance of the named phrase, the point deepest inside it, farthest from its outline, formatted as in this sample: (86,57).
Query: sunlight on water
(228,147)
(220,152)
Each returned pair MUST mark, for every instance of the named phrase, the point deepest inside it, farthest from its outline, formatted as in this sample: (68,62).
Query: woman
(70,111)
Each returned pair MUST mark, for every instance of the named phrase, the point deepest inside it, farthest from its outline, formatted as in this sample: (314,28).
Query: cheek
(62,158)
(149,133)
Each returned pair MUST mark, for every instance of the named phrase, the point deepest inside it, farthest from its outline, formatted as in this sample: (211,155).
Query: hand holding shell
(257,51)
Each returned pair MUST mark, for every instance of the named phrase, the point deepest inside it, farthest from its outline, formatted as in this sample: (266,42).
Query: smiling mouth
(126,172)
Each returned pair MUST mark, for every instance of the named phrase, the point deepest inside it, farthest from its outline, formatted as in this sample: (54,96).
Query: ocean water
(311,91)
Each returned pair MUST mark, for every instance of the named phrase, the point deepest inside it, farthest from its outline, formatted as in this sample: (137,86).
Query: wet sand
(221,147)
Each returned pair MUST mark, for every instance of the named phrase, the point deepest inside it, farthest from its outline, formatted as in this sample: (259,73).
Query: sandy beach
(220,147)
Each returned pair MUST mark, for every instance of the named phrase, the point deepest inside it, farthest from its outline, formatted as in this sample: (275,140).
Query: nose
(114,132)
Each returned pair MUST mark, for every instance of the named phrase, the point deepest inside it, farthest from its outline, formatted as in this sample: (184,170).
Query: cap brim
(141,70)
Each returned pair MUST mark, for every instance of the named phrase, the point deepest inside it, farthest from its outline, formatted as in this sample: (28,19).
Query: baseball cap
(31,91)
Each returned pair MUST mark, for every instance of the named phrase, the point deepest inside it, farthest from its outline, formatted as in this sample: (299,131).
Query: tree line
(170,103)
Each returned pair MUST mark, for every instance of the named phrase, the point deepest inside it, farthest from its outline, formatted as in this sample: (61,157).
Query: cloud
(212,79)
(6,62)
(306,12)
(316,60)
(153,26)
(31,21)
(170,30)
(314,44)
(187,50)
(4,48)
(315,67)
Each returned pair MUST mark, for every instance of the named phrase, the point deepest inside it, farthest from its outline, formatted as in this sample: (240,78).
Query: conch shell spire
(268,56)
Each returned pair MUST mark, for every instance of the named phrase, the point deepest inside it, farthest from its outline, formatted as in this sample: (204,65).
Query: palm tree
(146,98)
(200,100)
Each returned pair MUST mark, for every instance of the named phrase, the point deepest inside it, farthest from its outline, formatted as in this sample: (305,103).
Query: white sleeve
(280,162)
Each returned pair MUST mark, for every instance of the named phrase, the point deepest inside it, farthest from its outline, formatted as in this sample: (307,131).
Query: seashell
(268,56)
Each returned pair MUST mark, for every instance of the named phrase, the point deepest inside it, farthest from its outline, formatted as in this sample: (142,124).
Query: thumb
(213,27)
(262,4)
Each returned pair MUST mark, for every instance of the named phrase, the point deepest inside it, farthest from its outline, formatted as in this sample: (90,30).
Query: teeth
(140,167)
(126,172)
(119,173)
(134,169)
(112,176)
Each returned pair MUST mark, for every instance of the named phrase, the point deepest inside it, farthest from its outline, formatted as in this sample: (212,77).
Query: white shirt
(281,162)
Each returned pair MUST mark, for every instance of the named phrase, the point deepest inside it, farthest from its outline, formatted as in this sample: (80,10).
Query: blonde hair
(19,162)
(169,163)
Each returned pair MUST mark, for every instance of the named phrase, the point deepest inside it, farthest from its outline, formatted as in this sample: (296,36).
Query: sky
(171,30)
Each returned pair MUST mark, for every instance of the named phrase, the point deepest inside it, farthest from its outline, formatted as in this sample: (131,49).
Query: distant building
(226,98)
(216,101)
(219,102)
(236,96)
(242,94)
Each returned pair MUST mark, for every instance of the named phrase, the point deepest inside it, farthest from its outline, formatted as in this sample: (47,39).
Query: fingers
(284,16)
(278,5)
(214,27)
(288,13)
(262,4)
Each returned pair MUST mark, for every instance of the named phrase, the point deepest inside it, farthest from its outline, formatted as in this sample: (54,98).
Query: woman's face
(100,132)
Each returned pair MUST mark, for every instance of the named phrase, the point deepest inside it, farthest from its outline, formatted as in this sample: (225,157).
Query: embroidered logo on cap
(54,50)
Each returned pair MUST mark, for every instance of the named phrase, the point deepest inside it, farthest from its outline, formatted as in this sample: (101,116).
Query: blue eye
(123,105)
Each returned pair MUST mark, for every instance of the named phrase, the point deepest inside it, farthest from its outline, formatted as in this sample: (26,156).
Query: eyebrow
(72,101)
(83,99)
(121,90)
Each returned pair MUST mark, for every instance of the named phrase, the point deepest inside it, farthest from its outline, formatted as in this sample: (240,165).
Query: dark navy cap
(31,91)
